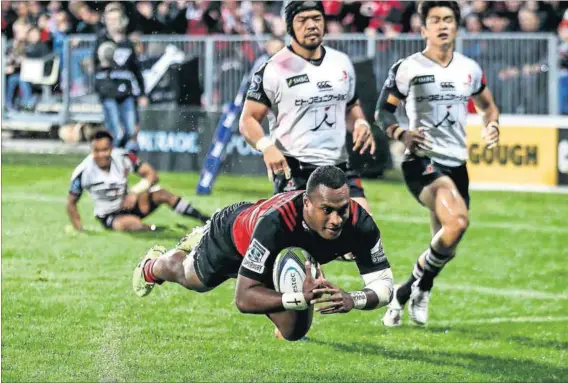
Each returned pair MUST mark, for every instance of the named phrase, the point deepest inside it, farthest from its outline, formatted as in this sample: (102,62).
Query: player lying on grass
(244,239)
(104,174)
(436,84)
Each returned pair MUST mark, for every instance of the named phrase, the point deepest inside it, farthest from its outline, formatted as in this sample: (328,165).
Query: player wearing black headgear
(308,93)
(295,7)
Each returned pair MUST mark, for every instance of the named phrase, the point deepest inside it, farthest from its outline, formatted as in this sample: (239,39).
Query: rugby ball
(289,270)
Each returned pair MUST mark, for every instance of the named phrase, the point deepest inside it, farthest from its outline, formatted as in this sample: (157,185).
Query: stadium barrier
(177,139)
(532,152)
(520,68)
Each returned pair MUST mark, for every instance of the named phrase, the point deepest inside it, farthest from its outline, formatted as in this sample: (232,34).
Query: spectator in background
(43,25)
(89,20)
(14,57)
(522,82)
(146,23)
(497,21)
(35,10)
(9,17)
(258,22)
(118,78)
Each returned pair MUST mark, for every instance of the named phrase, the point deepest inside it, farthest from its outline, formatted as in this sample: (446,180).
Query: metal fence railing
(521,69)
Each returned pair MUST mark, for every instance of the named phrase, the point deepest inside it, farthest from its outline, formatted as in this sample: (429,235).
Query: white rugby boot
(418,304)
(393,315)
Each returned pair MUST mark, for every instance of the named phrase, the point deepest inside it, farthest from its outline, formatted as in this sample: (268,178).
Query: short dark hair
(102,134)
(329,176)
(425,7)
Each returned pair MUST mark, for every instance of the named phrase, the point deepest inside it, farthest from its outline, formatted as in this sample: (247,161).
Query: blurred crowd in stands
(37,28)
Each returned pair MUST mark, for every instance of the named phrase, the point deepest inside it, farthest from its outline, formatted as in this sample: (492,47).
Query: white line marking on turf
(508,293)
(546,319)
(379,217)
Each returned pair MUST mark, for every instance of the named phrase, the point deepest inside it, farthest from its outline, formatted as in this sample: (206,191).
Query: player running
(242,241)
(436,85)
(308,93)
(104,174)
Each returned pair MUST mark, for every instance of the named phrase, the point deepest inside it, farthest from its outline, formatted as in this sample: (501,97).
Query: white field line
(545,319)
(17,197)
(494,291)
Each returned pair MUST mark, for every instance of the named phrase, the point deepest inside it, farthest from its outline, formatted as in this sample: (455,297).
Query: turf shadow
(512,369)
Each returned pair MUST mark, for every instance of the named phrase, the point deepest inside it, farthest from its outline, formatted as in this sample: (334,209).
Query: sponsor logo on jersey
(447,118)
(421,80)
(378,253)
(320,99)
(443,97)
(344,76)
(447,86)
(255,83)
(254,95)
(324,86)
(255,257)
(297,80)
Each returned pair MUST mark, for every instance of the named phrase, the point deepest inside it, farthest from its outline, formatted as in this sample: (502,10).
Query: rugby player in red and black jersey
(243,240)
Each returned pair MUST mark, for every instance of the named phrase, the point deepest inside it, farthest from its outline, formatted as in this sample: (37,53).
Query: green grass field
(499,312)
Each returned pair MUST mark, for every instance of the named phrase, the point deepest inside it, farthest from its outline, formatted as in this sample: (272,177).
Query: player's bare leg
(177,204)
(450,219)
(130,223)
(176,265)
(292,325)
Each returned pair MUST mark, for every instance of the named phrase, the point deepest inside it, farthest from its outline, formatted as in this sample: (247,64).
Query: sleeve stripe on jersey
(285,217)
(293,208)
(354,212)
(289,210)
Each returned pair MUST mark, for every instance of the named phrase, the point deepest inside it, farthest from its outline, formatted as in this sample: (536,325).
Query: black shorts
(420,172)
(215,257)
(301,172)
(107,220)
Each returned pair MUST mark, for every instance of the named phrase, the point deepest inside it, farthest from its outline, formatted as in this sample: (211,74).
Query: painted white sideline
(546,319)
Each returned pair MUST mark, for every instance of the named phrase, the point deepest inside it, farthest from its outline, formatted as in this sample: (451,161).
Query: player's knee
(457,226)
(293,334)
(462,223)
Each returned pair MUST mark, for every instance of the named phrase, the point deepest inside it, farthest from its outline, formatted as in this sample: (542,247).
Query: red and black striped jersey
(261,231)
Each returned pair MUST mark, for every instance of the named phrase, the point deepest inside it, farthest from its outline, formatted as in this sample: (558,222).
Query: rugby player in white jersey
(308,93)
(104,174)
(435,85)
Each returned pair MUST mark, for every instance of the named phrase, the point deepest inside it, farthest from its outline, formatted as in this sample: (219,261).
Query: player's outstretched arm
(73,212)
(485,105)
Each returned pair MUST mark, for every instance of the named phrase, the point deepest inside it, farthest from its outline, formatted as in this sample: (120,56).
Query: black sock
(434,264)
(403,292)
(184,208)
